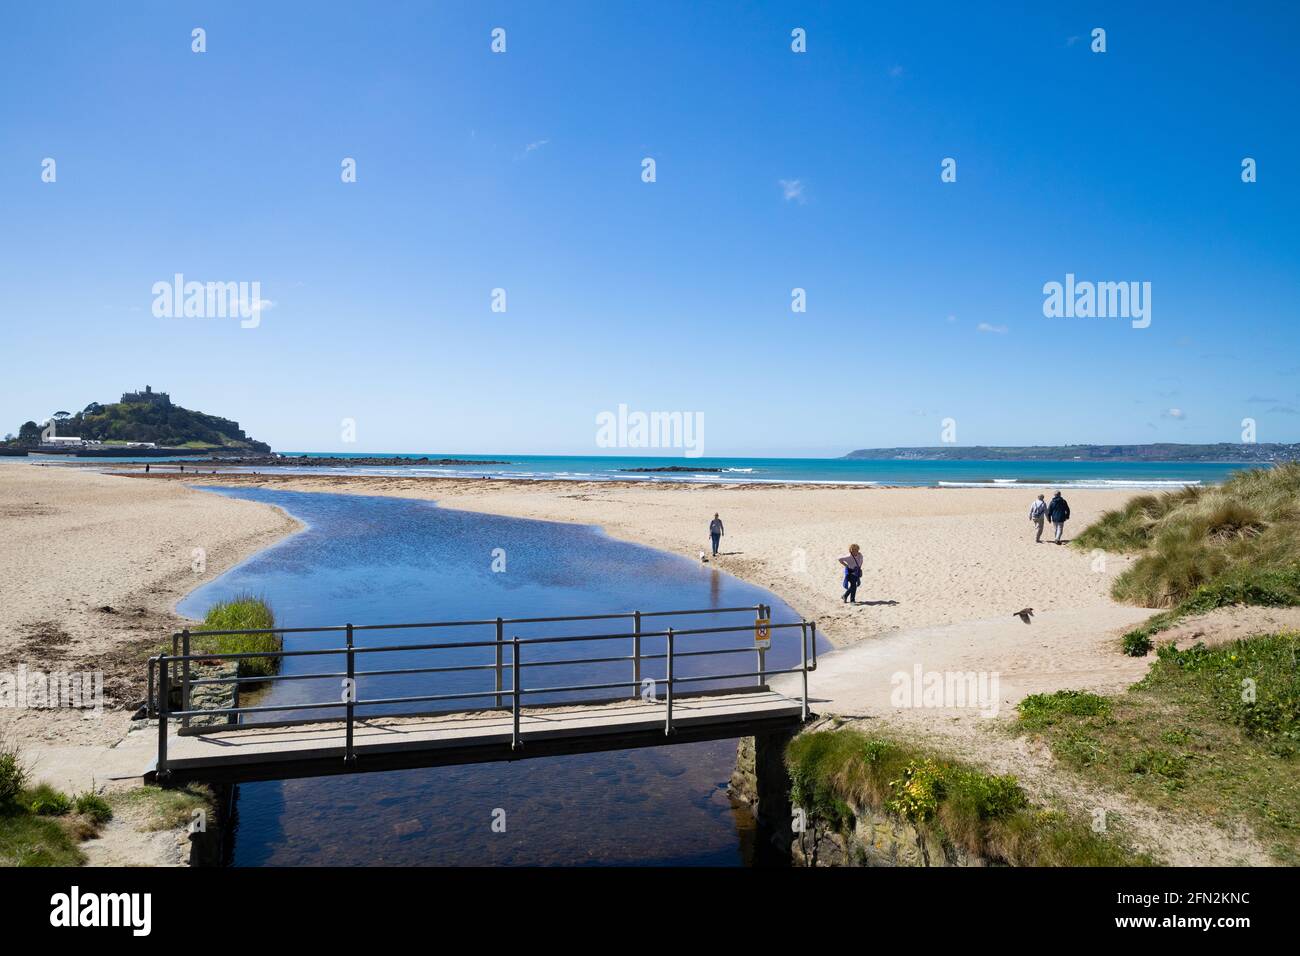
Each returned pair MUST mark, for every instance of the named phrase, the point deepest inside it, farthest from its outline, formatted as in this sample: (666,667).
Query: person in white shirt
(1038,515)
(852,563)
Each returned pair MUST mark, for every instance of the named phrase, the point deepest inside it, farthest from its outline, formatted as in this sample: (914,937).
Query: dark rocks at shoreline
(270,461)
(674,468)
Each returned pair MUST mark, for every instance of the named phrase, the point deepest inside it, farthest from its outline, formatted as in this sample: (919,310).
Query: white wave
(1101,484)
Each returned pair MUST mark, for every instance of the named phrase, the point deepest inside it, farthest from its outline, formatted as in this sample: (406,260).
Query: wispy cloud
(1260,400)
(896,71)
(994,329)
(792,189)
(533,147)
(1175,413)
(1283,410)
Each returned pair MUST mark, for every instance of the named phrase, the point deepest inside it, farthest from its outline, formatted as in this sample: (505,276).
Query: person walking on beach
(852,563)
(715,532)
(1058,512)
(1038,515)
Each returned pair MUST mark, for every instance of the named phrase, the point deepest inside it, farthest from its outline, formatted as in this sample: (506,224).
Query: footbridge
(355,698)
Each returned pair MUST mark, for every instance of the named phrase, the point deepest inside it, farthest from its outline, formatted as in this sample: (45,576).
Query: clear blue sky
(523,171)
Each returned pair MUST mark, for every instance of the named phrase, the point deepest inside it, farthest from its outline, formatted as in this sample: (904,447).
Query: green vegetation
(1205,548)
(147,417)
(165,809)
(1044,710)
(1210,734)
(29,840)
(833,771)
(45,801)
(245,612)
(93,807)
(39,826)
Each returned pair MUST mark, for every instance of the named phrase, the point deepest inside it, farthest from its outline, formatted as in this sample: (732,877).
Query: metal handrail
(506,620)
(166,666)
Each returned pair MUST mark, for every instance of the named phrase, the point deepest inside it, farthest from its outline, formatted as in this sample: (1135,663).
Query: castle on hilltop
(147,397)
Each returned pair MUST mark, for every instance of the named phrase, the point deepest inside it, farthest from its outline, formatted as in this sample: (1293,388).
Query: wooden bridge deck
(250,752)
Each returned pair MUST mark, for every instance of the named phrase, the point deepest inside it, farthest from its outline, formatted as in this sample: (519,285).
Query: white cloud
(792,189)
(1175,413)
(531,148)
(995,329)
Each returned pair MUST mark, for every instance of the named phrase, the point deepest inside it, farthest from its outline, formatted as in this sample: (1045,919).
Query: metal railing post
(500,637)
(514,690)
(636,653)
(164,691)
(812,635)
(185,679)
(763,612)
(804,647)
(668,725)
(176,653)
(349,755)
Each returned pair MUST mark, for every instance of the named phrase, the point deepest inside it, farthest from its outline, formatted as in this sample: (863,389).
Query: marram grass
(245,612)
(834,771)
(1204,548)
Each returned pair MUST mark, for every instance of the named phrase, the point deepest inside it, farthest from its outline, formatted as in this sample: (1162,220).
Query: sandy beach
(93,566)
(933,556)
(945,571)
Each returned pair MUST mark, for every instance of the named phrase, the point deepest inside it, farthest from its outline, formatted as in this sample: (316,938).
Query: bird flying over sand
(1025,613)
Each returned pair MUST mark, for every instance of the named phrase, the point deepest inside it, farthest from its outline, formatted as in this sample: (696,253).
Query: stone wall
(875,840)
(762,781)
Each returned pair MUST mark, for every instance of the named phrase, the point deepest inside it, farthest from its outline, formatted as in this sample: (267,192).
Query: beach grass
(1210,734)
(1204,548)
(832,772)
(165,808)
(245,612)
(39,825)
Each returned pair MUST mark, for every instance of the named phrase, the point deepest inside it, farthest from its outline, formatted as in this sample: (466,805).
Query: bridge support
(762,781)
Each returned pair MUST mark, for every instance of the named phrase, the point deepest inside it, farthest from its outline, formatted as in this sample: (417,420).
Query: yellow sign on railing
(763,632)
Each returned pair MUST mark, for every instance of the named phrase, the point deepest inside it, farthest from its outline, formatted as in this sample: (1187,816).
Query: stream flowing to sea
(389,560)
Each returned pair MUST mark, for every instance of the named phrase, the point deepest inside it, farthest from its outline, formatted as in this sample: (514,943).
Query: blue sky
(775,170)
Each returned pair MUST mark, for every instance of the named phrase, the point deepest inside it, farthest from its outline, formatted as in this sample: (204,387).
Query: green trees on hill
(161,423)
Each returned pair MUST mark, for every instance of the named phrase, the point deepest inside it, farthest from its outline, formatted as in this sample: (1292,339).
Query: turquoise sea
(831,471)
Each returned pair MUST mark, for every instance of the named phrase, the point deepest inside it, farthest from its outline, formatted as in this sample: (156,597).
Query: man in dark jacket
(1058,512)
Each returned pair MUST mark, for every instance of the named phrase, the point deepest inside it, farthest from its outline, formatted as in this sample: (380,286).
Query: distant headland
(1162,451)
(144,423)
